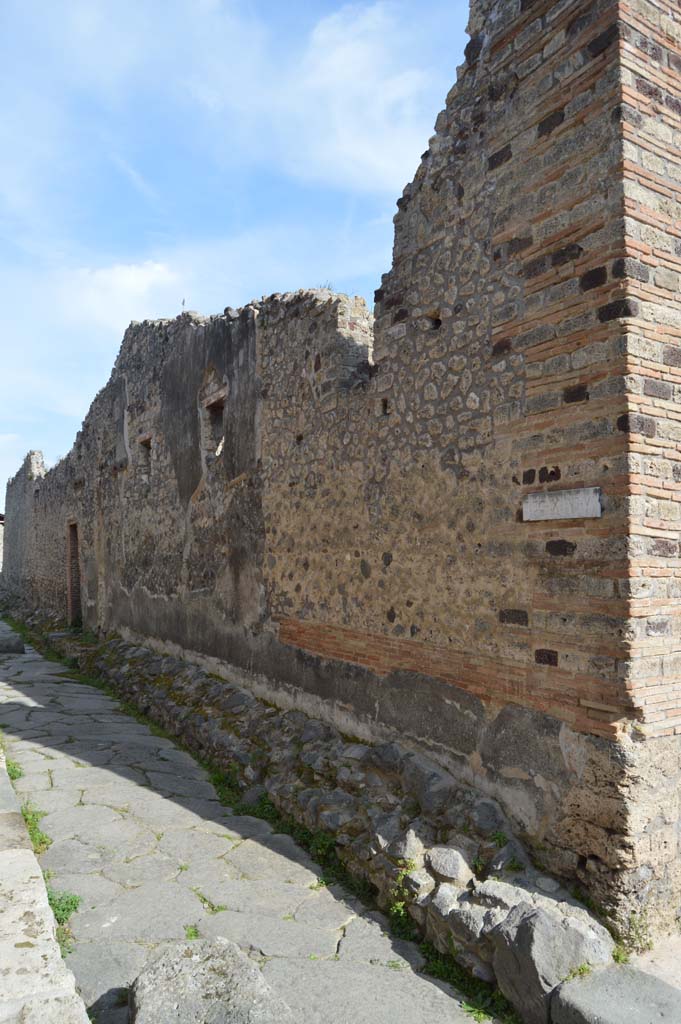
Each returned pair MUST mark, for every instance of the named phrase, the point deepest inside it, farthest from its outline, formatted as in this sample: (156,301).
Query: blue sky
(208,150)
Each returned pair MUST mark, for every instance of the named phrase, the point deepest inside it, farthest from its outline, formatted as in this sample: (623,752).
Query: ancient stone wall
(460,527)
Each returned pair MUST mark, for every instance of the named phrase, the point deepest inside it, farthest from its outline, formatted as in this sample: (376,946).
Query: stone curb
(36,986)
(616,995)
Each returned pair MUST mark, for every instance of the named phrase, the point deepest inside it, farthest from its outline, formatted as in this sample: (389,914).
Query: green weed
(578,972)
(32,816)
(63,905)
(212,908)
(620,955)
(483,1002)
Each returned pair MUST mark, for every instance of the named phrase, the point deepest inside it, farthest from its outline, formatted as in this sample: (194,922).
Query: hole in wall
(145,455)
(214,426)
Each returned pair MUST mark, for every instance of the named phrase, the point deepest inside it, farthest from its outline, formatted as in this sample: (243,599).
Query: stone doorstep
(23,895)
(616,995)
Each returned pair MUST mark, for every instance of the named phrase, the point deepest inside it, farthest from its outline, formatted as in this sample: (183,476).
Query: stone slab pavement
(139,835)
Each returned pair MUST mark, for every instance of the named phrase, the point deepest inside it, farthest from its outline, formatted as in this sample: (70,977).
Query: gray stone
(343,992)
(275,857)
(270,936)
(105,966)
(408,847)
(154,912)
(368,939)
(616,995)
(486,816)
(210,982)
(11,643)
(45,1008)
(535,949)
(445,899)
(449,864)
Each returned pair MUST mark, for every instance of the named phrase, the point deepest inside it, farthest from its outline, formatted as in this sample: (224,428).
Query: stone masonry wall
(356,521)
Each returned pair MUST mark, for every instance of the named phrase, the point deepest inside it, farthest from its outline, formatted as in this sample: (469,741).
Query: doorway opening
(74,611)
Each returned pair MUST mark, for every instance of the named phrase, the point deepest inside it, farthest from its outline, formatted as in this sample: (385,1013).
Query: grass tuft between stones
(14,769)
(33,816)
(63,905)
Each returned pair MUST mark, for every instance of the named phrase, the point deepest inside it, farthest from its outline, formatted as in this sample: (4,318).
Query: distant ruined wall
(350,518)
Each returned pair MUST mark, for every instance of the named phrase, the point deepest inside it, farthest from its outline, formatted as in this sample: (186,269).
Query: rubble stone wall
(458,527)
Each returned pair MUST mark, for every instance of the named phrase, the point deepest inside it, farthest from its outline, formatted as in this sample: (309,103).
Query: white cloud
(110,297)
(347,106)
(352,110)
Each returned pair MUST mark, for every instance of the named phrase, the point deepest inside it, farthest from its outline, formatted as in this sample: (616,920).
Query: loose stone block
(205,981)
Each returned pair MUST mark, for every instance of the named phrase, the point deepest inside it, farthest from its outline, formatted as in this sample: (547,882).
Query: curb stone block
(616,995)
(36,985)
(536,948)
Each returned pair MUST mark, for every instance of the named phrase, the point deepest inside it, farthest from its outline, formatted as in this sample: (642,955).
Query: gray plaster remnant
(578,503)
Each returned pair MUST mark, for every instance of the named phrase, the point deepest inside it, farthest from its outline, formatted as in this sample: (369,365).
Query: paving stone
(81,777)
(94,890)
(154,912)
(247,827)
(153,867)
(101,966)
(205,874)
(191,844)
(269,935)
(122,840)
(52,800)
(78,822)
(367,940)
(33,783)
(275,857)
(164,782)
(110,794)
(271,899)
(322,909)
(341,992)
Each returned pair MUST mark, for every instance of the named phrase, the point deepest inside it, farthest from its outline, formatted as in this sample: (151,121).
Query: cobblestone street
(139,835)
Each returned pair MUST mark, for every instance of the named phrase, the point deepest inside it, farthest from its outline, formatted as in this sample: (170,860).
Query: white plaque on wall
(580,503)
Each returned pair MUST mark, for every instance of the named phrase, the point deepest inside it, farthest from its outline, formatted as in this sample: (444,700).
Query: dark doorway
(74,609)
